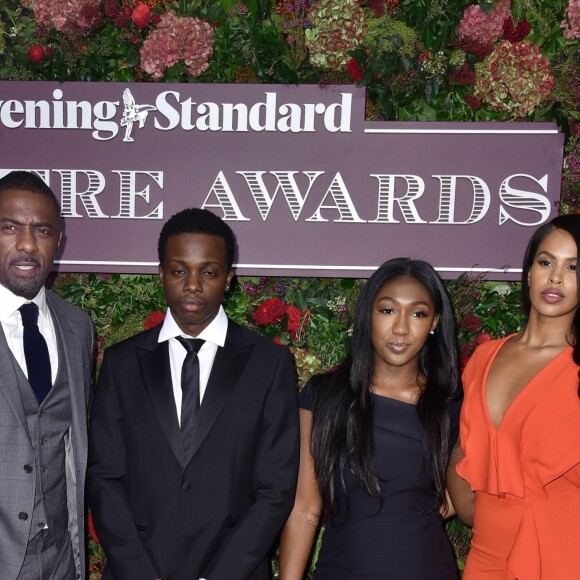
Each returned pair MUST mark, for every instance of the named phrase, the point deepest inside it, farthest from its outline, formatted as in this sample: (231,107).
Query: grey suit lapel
(156,376)
(71,358)
(227,369)
(9,382)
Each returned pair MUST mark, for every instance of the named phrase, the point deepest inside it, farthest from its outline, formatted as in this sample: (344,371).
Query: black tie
(35,353)
(189,389)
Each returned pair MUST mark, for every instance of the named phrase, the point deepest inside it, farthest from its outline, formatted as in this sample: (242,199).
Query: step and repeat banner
(309,187)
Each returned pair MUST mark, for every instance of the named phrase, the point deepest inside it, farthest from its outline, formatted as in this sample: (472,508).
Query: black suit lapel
(226,371)
(156,375)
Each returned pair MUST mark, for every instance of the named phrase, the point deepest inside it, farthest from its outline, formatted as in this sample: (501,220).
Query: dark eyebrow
(417,303)
(550,255)
(6,220)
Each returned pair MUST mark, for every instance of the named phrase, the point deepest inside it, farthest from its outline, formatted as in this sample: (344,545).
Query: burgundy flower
(471,322)
(464,75)
(270,311)
(89,16)
(120,20)
(472,101)
(515,33)
(111,8)
(475,47)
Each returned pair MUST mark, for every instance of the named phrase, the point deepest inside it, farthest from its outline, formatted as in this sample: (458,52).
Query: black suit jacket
(213,514)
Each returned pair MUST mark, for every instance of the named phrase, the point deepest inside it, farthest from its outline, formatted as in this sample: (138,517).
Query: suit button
(23,516)
(186,486)
(43,441)
(28,468)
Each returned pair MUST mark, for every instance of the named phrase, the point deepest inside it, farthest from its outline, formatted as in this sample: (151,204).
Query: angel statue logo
(133,113)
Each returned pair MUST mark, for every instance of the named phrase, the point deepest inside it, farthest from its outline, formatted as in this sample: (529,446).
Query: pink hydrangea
(571,24)
(66,16)
(177,38)
(514,78)
(476,25)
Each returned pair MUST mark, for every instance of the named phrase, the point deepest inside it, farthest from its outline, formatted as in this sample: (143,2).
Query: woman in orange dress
(515,475)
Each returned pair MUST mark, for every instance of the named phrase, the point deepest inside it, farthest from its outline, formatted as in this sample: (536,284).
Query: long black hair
(342,430)
(570,224)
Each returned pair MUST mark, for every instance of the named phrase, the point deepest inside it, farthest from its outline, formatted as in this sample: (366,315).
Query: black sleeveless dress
(405,539)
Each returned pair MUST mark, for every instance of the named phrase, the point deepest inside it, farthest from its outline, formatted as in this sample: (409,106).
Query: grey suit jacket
(16,484)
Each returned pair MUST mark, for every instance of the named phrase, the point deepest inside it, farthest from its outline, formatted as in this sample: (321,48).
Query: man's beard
(23,286)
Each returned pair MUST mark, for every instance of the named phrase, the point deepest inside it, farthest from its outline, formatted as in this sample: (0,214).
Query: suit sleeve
(275,473)
(107,471)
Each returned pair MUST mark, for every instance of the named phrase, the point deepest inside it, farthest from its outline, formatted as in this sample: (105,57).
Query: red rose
(91,527)
(516,33)
(36,53)
(297,318)
(127,11)
(270,311)
(354,70)
(481,338)
(277,340)
(155,18)
(141,15)
(154,319)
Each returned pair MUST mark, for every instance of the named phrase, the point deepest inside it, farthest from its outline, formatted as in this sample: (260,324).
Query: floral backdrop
(420,60)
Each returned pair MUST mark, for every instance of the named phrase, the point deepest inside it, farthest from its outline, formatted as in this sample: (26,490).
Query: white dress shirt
(214,335)
(11,321)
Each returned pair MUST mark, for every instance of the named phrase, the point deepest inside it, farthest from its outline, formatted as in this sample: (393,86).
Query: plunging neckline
(522,390)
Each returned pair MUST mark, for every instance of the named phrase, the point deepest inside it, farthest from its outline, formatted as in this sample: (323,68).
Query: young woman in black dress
(376,436)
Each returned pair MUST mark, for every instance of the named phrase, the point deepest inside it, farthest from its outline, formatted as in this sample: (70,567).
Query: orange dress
(525,473)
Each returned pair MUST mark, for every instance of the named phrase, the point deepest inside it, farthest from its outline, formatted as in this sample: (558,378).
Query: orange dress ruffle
(525,473)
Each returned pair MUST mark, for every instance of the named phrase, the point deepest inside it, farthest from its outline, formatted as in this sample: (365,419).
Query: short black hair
(28,181)
(197,221)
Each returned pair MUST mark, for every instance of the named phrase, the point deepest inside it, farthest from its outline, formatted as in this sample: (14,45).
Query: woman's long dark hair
(570,224)
(342,431)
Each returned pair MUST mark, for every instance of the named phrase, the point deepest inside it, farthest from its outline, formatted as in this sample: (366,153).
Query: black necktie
(189,389)
(35,353)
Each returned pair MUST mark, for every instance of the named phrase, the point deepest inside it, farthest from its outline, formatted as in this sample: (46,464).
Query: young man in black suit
(185,486)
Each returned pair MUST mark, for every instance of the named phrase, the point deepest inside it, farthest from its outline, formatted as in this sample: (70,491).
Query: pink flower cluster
(478,26)
(177,38)
(571,24)
(514,78)
(66,16)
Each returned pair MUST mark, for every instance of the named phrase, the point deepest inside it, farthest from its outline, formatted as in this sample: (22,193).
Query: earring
(431,332)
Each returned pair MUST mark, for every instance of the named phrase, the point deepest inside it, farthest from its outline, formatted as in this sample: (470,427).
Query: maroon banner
(309,187)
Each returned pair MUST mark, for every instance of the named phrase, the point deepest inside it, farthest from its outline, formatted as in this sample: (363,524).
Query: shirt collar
(10,303)
(215,332)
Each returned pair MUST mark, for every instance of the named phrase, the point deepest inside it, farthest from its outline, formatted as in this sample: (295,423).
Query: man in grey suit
(46,349)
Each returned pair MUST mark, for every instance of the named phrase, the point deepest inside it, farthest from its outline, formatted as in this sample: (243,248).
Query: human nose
(556,276)
(401,325)
(193,282)
(26,241)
